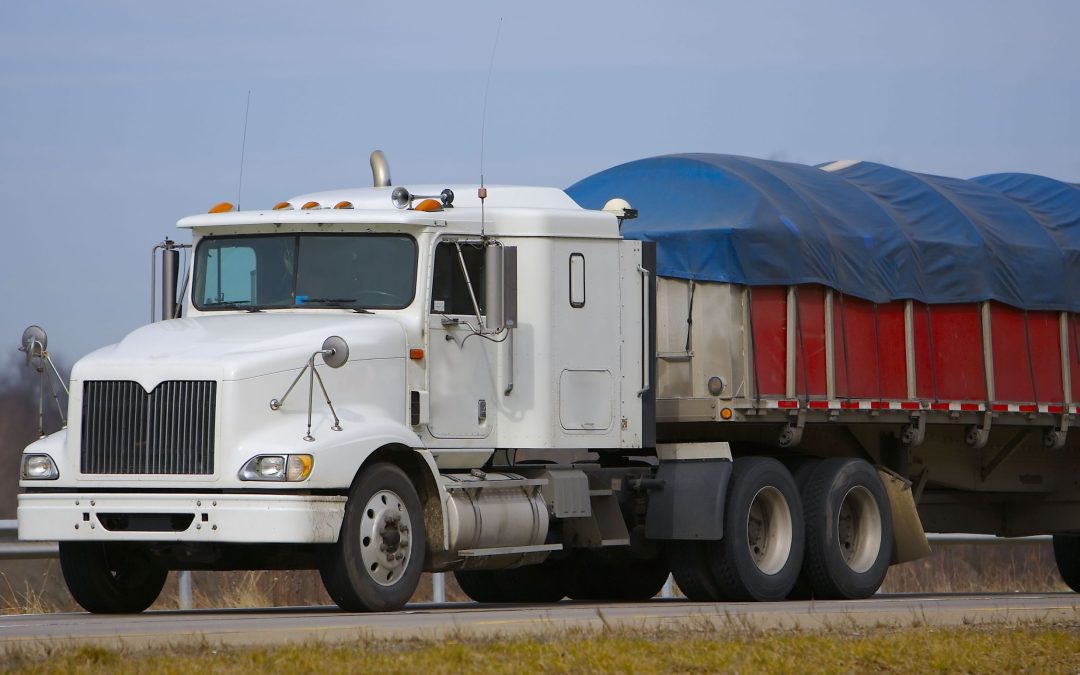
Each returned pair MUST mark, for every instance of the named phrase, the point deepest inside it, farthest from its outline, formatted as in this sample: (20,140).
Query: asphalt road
(280,625)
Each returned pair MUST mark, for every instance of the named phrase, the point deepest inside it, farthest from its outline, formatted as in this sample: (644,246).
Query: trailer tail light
(221,207)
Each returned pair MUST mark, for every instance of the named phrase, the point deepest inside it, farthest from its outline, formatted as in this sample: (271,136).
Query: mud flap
(909,538)
(687,501)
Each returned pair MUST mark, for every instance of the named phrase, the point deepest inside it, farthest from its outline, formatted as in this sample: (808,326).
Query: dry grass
(37,587)
(1030,647)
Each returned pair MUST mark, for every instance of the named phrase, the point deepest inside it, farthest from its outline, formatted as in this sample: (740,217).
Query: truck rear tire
(691,570)
(545,582)
(848,530)
(761,553)
(376,563)
(1067,557)
(108,578)
(593,577)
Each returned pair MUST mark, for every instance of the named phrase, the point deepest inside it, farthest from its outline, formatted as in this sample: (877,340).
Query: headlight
(39,467)
(290,468)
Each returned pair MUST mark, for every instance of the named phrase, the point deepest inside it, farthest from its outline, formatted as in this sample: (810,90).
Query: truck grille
(126,430)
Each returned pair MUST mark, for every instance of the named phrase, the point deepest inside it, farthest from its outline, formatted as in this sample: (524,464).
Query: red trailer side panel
(1013,379)
(768,308)
(1074,358)
(1046,354)
(810,343)
(956,350)
(855,346)
(892,350)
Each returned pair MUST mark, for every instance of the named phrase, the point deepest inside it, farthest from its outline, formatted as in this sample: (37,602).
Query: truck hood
(238,346)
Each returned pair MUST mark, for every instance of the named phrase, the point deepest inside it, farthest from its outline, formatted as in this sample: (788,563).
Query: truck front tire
(848,530)
(377,561)
(110,578)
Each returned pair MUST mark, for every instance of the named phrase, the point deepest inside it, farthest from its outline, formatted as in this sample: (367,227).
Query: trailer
(767,379)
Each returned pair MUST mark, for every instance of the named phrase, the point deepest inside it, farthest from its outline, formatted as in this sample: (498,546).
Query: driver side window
(449,290)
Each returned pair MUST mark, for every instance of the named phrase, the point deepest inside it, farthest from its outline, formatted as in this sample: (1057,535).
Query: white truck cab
(351,382)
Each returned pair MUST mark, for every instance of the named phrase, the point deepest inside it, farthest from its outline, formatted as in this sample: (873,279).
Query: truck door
(462,365)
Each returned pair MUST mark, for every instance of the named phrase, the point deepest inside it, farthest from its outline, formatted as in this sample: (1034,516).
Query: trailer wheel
(848,530)
(761,553)
(376,563)
(1067,557)
(107,578)
(593,577)
(691,570)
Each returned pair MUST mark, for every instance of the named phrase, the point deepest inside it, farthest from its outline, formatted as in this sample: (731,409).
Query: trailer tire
(761,553)
(690,568)
(108,578)
(848,530)
(377,561)
(1067,557)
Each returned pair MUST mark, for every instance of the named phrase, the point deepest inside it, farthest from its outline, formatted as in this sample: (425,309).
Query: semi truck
(766,379)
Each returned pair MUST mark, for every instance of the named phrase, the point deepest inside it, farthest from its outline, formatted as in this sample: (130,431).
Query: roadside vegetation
(1021,648)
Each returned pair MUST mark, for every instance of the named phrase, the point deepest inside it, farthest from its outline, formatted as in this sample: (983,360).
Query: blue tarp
(865,229)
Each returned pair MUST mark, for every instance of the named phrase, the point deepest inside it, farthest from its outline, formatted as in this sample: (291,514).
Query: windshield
(358,271)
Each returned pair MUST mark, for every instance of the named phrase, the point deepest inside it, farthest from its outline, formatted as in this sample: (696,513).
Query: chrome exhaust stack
(380,169)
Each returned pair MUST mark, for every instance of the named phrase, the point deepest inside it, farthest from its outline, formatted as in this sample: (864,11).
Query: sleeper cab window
(449,290)
(577,280)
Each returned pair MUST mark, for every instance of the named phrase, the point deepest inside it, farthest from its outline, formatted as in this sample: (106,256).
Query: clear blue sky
(118,118)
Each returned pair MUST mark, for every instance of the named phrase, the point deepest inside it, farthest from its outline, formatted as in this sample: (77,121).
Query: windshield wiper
(244,305)
(340,303)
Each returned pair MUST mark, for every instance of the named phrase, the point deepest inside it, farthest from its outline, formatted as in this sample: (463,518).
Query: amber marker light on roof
(282,205)
(429,205)
(343,205)
(222,207)
(310,205)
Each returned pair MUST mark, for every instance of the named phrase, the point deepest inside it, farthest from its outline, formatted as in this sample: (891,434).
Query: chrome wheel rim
(769,531)
(858,529)
(385,538)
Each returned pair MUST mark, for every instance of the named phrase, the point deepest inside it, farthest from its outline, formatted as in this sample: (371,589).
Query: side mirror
(500,287)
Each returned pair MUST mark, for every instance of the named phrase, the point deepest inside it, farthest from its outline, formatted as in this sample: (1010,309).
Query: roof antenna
(243,149)
(482,192)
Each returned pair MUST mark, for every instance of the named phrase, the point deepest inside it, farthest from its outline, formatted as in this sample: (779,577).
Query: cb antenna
(482,192)
(243,149)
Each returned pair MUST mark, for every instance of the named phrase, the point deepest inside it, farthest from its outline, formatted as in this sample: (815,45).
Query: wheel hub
(769,530)
(858,529)
(385,539)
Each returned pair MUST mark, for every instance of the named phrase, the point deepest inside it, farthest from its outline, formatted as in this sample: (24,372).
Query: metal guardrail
(13,549)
